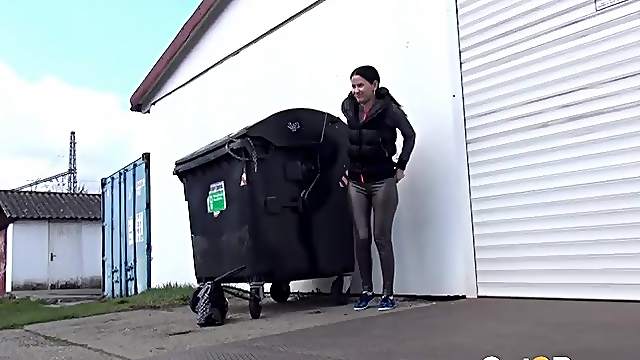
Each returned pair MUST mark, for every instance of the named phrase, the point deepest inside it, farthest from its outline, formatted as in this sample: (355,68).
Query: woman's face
(363,90)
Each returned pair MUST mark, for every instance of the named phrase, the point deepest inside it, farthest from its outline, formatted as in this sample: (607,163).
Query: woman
(373,116)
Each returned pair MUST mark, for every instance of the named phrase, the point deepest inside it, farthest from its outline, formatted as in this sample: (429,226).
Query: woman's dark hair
(367,72)
(370,74)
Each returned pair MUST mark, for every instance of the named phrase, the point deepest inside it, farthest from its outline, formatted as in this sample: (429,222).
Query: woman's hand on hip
(399,175)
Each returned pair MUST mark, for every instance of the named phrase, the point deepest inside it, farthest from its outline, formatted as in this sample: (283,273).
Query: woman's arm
(400,121)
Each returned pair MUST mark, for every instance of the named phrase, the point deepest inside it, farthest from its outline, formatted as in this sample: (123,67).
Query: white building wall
(226,34)
(552,93)
(29,253)
(307,64)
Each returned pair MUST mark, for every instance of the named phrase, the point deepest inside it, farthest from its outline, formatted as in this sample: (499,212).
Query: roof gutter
(171,54)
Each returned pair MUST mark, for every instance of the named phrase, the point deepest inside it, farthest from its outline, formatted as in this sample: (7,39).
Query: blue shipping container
(126,230)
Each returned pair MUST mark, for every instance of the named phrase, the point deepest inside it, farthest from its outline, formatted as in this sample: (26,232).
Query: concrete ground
(145,333)
(509,329)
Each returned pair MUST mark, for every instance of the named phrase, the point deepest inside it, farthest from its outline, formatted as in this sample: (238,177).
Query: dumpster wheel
(280,292)
(255,300)
(195,298)
(216,318)
(339,296)
(255,309)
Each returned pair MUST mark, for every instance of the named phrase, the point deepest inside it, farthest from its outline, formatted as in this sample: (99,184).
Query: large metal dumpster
(266,201)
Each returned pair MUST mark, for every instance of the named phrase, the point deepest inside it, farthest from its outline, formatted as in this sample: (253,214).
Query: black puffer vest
(372,143)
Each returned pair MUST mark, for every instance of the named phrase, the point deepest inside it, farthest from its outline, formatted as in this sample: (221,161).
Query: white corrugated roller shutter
(552,105)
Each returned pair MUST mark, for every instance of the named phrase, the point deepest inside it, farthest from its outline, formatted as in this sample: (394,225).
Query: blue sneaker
(363,302)
(387,303)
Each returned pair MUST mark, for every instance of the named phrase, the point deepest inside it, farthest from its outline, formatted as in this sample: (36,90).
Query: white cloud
(37,117)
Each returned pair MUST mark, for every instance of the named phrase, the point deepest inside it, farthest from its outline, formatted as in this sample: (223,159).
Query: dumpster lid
(293,127)
(288,128)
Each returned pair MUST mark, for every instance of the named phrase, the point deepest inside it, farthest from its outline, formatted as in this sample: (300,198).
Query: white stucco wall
(307,64)
(226,34)
(30,251)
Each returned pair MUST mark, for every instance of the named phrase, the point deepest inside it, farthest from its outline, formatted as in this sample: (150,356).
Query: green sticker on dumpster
(217,199)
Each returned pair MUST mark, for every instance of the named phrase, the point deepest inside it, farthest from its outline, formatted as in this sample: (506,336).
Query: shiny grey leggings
(382,198)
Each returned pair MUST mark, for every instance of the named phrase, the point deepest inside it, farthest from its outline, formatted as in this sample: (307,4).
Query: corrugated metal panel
(126,235)
(552,106)
(34,205)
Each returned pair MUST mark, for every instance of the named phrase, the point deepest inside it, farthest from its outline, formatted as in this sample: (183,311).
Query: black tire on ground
(193,303)
(339,297)
(280,292)
(215,318)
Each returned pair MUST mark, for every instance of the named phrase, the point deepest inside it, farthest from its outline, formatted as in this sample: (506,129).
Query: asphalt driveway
(508,329)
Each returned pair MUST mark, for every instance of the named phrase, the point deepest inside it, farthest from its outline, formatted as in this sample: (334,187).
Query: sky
(72,65)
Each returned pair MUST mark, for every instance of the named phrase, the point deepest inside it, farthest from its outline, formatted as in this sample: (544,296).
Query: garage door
(552,106)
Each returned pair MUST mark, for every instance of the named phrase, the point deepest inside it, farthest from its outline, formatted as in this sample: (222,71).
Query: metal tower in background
(71,175)
(73,170)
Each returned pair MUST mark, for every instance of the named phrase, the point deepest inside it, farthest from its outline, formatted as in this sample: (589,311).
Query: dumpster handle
(229,273)
(252,151)
(305,193)
(324,127)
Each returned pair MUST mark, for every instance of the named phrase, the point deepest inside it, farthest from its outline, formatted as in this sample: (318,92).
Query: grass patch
(15,313)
